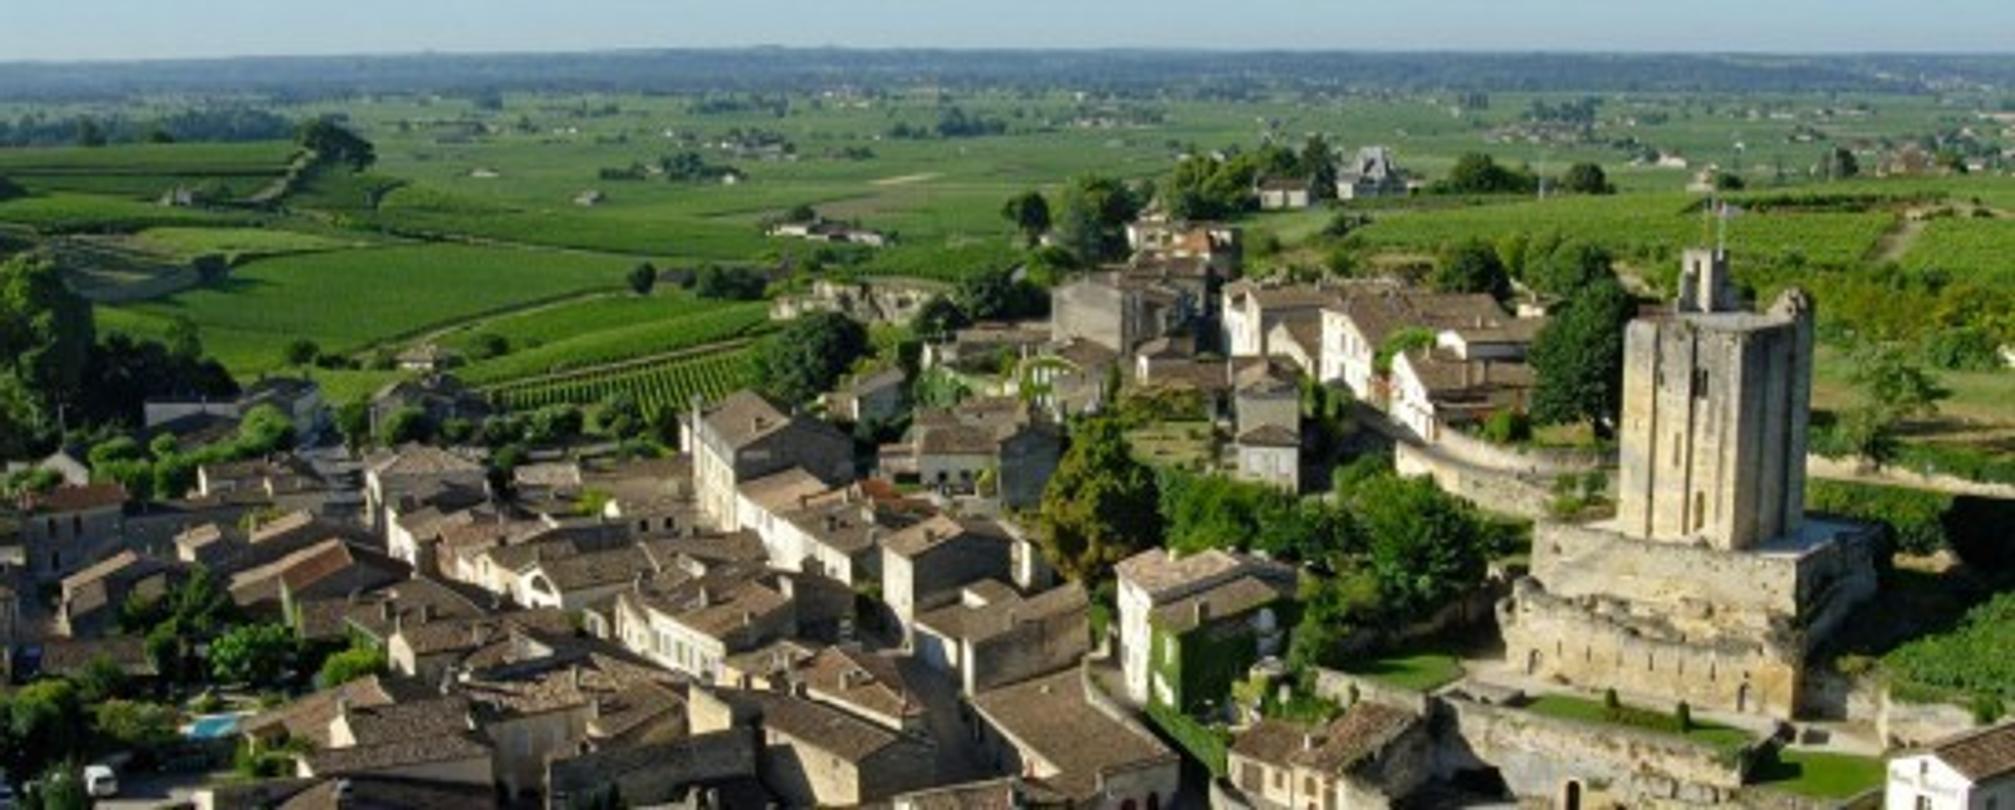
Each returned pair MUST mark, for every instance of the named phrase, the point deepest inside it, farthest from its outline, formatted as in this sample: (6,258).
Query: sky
(70,30)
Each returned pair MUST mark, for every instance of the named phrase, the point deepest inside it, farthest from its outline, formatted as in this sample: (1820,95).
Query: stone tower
(1711,585)
(1715,407)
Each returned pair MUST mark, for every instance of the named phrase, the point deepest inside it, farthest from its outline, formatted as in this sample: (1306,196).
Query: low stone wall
(1536,462)
(1346,689)
(1908,725)
(1490,490)
(1852,469)
(1539,756)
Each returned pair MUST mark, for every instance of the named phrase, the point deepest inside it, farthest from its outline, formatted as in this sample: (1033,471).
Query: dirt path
(906,179)
(1896,242)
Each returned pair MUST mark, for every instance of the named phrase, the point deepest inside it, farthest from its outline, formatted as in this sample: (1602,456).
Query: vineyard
(670,384)
(701,322)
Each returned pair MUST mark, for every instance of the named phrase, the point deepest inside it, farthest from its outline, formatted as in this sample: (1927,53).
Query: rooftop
(1053,717)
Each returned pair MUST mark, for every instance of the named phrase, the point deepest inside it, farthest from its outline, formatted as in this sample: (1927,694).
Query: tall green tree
(1101,505)
(1424,547)
(254,654)
(1894,387)
(1471,266)
(1029,212)
(1586,178)
(1094,213)
(1569,268)
(1578,358)
(1479,173)
(809,355)
(332,142)
(1318,164)
(46,334)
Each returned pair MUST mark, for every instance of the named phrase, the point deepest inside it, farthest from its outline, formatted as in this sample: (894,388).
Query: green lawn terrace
(1817,774)
(1726,740)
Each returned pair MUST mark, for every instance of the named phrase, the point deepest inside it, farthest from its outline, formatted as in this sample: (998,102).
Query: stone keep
(1711,585)
(1715,407)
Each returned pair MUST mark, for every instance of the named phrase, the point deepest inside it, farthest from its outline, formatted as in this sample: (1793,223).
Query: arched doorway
(1742,698)
(1571,797)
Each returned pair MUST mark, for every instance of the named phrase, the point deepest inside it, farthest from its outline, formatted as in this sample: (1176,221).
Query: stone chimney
(425,612)
(1202,611)
(385,610)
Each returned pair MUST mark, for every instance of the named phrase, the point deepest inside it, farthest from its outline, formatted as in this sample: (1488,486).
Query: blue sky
(132,29)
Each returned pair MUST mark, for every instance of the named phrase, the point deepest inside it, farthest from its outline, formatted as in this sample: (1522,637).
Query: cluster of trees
(55,374)
(334,144)
(729,283)
(1479,173)
(1101,506)
(162,469)
(211,124)
(808,356)
(1203,187)
(953,122)
(1091,217)
(683,167)
(990,294)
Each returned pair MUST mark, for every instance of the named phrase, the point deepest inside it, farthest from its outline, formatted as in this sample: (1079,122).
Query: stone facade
(1559,763)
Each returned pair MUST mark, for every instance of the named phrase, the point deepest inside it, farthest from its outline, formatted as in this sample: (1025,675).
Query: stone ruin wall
(1539,756)
(1549,637)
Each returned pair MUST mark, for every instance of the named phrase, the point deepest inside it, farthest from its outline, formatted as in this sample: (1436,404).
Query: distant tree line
(214,124)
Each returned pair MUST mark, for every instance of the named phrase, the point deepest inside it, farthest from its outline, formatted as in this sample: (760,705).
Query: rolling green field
(469,214)
(348,300)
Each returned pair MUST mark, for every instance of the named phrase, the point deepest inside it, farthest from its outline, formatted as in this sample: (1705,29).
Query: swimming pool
(213,726)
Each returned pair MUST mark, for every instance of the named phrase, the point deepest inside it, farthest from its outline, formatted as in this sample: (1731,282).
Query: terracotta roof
(1053,717)
(71,498)
(1981,755)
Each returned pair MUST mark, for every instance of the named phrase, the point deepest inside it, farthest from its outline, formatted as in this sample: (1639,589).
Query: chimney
(787,587)
(1202,611)
(343,705)
(426,612)
(1308,742)
(476,634)
(748,617)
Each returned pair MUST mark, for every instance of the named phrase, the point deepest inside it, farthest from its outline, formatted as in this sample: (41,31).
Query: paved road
(144,791)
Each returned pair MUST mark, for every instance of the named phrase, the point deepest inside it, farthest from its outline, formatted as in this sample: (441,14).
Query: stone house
(1372,174)
(1270,454)
(1120,310)
(867,685)
(1065,738)
(871,301)
(574,581)
(1267,394)
(546,703)
(1219,245)
(926,564)
(692,624)
(661,772)
(956,449)
(813,754)
(414,469)
(1355,330)
(428,740)
(746,437)
(654,497)
(995,636)
(276,479)
(331,567)
(428,648)
(1252,311)
(1370,756)
(1165,596)
(1971,771)
(1436,388)
(300,399)
(988,347)
(91,598)
(1283,194)
(873,398)
(69,527)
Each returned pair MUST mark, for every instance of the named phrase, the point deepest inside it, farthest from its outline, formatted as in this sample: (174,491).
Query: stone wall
(1489,490)
(1539,756)
(1598,644)
(1346,689)
(1545,463)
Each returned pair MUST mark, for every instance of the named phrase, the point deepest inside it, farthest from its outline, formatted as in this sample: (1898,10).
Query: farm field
(593,345)
(667,384)
(348,300)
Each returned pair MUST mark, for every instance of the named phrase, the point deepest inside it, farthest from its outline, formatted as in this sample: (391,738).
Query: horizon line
(1009,49)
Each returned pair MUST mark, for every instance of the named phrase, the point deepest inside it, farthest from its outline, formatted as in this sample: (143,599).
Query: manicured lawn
(1420,672)
(1568,707)
(1818,773)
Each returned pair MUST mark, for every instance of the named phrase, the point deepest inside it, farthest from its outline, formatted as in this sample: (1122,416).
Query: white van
(100,782)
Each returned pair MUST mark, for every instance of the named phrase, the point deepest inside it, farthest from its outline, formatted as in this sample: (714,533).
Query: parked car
(100,782)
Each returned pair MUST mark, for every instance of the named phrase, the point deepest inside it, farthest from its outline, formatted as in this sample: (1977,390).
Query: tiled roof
(1001,613)
(784,490)
(743,417)
(937,530)
(406,720)
(872,682)
(71,498)
(308,717)
(420,459)
(1157,570)
(1053,717)
(1233,598)
(1333,749)
(1981,755)
(828,729)
(370,792)
(69,657)
(400,754)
